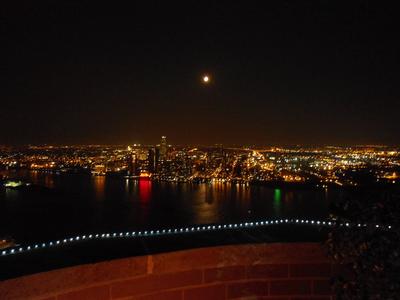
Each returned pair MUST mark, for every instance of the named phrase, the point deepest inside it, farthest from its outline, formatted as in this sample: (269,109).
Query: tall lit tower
(163,148)
(132,164)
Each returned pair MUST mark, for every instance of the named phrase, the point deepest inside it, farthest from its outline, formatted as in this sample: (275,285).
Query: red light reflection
(144,190)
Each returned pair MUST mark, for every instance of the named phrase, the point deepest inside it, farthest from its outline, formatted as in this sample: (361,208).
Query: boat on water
(144,175)
(15,184)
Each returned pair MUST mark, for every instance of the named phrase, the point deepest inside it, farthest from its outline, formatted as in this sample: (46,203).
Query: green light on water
(277,195)
(277,202)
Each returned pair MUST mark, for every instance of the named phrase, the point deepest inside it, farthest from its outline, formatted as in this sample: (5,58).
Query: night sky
(286,72)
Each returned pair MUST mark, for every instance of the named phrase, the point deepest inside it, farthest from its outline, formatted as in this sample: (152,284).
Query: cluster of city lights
(320,166)
(183,230)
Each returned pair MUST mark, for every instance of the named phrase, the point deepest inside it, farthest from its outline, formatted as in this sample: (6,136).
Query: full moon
(206,79)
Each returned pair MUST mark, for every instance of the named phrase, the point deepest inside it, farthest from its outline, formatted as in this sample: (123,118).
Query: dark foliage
(371,254)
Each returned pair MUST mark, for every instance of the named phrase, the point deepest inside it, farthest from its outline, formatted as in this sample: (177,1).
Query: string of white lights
(182,230)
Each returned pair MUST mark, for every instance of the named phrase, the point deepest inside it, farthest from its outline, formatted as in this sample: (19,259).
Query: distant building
(152,160)
(157,159)
(163,148)
(132,165)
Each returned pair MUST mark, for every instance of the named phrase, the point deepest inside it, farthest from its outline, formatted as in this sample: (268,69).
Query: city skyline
(154,143)
(316,166)
(164,140)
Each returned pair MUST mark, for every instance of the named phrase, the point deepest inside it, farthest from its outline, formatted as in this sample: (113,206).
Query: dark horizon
(172,144)
(310,73)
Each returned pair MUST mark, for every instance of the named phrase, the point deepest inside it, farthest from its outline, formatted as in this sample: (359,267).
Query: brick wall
(292,271)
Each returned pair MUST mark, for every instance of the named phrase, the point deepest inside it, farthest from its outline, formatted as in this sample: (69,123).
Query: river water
(63,205)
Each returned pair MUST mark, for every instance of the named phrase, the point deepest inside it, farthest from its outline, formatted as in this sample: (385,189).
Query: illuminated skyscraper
(152,160)
(132,164)
(163,148)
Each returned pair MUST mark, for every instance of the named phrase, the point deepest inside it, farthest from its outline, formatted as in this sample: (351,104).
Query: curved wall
(256,271)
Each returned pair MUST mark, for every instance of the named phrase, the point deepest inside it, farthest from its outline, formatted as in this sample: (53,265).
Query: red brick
(95,293)
(322,287)
(154,283)
(224,274)
(310,270)
(311,298)
(271,298)
(211,292)
(247,289)
(268,271)
(290,287)
(166,295)
(71,278)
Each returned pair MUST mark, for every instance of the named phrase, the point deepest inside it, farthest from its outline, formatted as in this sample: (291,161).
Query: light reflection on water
(82,203)
(99,186)
(277,201)
(144,190)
